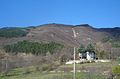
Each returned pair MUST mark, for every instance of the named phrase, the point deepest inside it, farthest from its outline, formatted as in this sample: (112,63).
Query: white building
(87,55)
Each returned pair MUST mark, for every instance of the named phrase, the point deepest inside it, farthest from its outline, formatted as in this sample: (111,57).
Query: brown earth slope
(63,34)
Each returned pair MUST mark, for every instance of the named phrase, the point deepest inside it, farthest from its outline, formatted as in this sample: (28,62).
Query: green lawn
(62,75)
(32,73)
(99,64)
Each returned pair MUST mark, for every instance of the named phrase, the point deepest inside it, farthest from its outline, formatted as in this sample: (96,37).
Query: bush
(46,67)
(116,72)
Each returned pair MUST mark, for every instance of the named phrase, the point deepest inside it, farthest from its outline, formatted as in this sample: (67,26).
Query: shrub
(116,72)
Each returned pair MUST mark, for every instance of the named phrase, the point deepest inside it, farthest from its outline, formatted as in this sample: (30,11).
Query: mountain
(59,33)
(63,34)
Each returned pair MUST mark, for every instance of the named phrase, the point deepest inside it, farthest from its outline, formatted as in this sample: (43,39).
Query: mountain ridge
(63,34)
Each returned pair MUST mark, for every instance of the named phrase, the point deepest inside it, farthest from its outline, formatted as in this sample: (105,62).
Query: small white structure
(90,55)
(87,55)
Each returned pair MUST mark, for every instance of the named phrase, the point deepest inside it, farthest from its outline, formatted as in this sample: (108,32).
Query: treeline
(115,42)
(33,47)
(9,32)
(90,47)
(114,37)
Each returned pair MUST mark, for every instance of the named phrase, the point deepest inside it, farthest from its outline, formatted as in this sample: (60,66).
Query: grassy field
(68,75)
(32,73)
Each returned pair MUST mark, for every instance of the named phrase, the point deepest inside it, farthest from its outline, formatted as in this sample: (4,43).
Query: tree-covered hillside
(33,47)
(115,42)
(9,32)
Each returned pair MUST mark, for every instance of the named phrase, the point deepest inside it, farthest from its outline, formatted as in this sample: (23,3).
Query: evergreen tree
(90,48)
(81,49)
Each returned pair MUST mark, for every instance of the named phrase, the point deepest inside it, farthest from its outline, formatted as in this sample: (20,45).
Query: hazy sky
(98,13)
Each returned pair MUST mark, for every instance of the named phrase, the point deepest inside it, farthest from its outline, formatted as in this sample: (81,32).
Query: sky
(97,13)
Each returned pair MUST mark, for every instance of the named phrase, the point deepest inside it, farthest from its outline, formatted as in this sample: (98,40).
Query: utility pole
(74,34)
